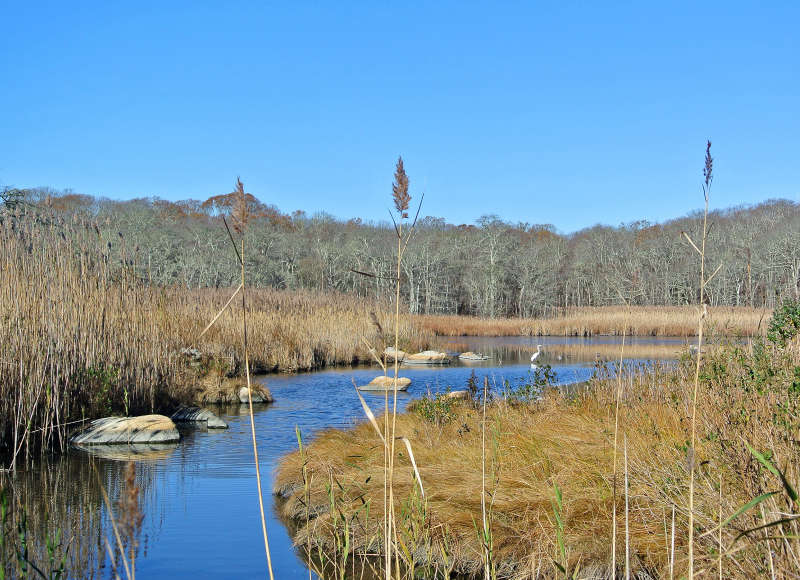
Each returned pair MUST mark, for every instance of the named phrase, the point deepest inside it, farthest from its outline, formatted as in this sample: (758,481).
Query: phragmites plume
(240,213)
(400,189)
(709,166)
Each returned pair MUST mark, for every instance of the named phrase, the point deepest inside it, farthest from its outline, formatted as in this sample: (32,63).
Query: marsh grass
(85,335)
(603,320)
(568,441)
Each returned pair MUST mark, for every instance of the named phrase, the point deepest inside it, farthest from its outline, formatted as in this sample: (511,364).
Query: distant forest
(491,268)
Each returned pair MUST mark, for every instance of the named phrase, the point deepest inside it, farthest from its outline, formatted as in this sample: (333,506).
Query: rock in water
(258,395)
(113,430)
(430,357)
(388,382)
(199,415)
(384,383)
(391,354)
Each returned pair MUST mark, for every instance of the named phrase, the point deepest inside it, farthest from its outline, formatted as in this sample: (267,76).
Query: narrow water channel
(199,497)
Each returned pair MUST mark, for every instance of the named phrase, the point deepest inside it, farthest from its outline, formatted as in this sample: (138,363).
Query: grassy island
(529,485)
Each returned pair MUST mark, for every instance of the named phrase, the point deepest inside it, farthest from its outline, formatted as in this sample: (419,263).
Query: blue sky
(563,113)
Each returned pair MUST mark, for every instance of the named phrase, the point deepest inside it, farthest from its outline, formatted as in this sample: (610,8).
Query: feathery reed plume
(400,190)
(240,214)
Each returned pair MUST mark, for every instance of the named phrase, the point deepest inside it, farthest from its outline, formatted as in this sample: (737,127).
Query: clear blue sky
(563,113)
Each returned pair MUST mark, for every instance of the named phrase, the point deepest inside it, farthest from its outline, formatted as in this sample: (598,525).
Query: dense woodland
(491,268)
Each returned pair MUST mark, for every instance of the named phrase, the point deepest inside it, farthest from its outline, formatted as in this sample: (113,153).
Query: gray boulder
(198,415)
(118,430)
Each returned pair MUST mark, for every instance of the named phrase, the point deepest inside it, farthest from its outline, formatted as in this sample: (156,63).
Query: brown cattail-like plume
(708,166)
(240,214)
(400,189)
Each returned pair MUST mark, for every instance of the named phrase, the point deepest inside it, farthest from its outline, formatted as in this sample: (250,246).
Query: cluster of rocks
(149,435)
(428,357)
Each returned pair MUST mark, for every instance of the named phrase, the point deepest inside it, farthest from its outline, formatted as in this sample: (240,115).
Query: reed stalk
(401,198)
(617,396)
(702,312)
(240,217)
(252,417)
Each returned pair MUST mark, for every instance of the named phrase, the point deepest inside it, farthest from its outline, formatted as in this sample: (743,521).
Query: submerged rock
(118,430)
(257,394)
(199,415)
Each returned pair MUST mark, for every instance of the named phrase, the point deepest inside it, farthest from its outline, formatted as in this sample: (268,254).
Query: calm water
(199,497)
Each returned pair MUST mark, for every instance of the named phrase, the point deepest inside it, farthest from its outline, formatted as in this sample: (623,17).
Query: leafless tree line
(490,268)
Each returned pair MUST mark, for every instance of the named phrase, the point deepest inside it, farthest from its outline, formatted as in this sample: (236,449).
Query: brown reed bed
(603,320)
(83,334)
(747,398)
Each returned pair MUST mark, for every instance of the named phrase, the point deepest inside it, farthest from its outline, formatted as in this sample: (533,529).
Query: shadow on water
(199,497)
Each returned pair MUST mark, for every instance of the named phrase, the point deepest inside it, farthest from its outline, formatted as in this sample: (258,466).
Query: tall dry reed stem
(240,219)
(702,312)
(617,396)
(253,421)
(401,198)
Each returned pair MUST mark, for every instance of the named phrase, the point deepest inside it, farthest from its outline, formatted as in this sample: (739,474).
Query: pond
(199,497)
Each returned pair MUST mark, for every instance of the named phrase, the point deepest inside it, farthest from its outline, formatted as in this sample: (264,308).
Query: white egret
(535,355)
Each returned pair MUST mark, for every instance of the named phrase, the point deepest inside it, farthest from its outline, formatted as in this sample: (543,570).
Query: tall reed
(85,335)
(702,312)
(401,198)
(240,217)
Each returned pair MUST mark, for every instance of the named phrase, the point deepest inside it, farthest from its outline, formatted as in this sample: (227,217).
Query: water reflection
(199,497)
(60,500)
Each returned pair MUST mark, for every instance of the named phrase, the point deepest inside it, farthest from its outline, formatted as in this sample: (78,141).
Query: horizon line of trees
(491,268)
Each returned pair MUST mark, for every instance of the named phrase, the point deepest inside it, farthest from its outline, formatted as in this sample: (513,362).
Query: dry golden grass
(82,336)
(567,442)
(592,321)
